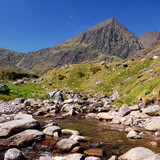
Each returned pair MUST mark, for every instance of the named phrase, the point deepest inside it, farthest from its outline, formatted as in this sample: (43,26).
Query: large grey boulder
(14,154)
(138,153)
(66,144)
(15,126)
(154,124)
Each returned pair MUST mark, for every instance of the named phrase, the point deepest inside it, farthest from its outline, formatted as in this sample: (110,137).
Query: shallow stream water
(115,142)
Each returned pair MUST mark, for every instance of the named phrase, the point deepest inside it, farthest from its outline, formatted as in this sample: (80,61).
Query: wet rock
(94,152)
(69,132)
(21,139)
(92,158)
(133,135)
(66,144)
(124,110)
(107,115)
(49,143)
(14,154)
(138,153)
(154,124)
(51,130)
(15,126)
(77,138)
(151,110)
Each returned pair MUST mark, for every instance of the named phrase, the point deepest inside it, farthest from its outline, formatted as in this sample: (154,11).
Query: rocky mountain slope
(150,38)
(107,40)
(9,59)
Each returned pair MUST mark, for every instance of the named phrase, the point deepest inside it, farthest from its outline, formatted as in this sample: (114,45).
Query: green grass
(139,85)
(24,91)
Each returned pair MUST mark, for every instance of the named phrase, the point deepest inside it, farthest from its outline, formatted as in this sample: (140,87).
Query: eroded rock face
(21,139)
(138,153)
(14,154)
(66,144)
(15,126)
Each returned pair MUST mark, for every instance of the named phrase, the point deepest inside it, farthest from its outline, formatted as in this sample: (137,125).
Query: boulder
(14,154)
(138,153)
(77,138)
(51,130)
(154,157)
(15,126)
(91,115)
(113,158)
(21,139)
(124,110)
(47,158)
(127,120)
(66,144)
(133,135)
(154,124)
(107,115)
(151,110)
(51,124)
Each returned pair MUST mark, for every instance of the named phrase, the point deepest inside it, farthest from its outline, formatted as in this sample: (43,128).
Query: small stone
(94,152)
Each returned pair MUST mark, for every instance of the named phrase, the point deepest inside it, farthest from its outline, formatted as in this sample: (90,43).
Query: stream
(111,136)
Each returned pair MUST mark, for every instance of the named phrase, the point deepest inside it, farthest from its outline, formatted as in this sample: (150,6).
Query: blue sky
(29,25)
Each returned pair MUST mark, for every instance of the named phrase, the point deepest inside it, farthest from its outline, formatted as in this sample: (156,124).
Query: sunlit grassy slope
(139,80)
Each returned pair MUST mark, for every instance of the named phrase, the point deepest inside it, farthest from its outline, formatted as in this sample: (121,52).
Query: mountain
(9,59)
(149,38)
(109,40)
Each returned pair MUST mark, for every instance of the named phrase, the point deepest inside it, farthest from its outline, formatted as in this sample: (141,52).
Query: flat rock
(94,152)
(92,158)
(138,153)
(66,144)
(15,126)
(21,139)
(138,114)
(107,115)
(69,132)
(14,154)
(51,130)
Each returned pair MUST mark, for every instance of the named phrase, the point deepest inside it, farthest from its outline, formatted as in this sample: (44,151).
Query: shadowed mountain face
(9,59)
(149,38)
(109,40)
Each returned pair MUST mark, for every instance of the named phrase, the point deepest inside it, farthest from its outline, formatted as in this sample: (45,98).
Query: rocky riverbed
(53,129)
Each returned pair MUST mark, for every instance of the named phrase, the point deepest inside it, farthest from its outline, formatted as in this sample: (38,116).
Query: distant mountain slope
(9,58)
(153,50)
(149,38)
(107,40)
